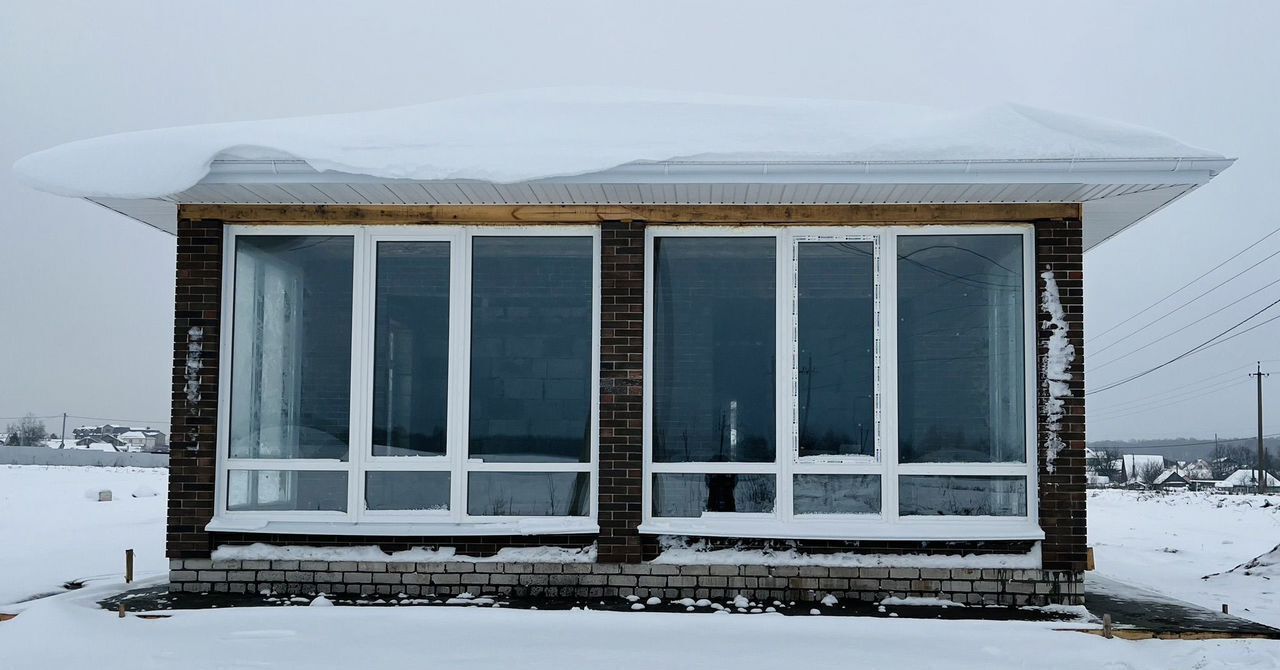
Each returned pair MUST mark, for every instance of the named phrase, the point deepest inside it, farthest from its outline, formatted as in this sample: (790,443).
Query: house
(615,321)
(1245,481)
(1198,469)
(1170,479)
(1140,467)
(144,439)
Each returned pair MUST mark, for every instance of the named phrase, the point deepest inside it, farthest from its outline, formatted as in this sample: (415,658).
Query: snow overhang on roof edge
(1116,192)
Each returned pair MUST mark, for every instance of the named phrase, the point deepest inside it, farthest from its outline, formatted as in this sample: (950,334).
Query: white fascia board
(1066,171)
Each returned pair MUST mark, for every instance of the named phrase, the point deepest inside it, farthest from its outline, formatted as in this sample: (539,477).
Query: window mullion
(888,366)
(459,371)
(358,439)
(785,372)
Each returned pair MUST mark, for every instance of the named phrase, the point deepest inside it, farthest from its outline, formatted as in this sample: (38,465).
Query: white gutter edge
(1072,171)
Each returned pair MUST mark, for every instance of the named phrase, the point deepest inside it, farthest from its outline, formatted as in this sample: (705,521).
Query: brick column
(1062,492)
(621,389)
(195,387)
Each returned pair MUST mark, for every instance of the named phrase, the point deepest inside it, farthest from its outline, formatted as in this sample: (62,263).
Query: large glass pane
(291,347)
(961,393)
(407,490)
(286,490)
(411,349)
(836,494)
(713,349)
(689,495)
(836,340)
(528,494)
(920,495)
(531,349)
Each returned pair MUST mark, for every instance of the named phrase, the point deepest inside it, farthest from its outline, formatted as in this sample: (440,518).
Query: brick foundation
(973,586)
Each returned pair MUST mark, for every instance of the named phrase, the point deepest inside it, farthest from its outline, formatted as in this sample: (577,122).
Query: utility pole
(1262,453)
(63,435)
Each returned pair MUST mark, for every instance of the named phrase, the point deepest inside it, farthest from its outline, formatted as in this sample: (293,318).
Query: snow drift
(543,133)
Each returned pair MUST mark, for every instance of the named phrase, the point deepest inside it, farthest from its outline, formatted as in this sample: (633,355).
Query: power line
(1161,404)
(1200,347)
(1191,444)
(1184,286)
(1175,310)
(1181,329)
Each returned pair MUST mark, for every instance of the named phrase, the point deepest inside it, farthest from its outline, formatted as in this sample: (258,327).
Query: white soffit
(1115,193)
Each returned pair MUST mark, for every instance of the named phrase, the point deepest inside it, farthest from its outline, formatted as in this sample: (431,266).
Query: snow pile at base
(678,551)
(541,133)
(268,552)
(1266,565)
(1057,361)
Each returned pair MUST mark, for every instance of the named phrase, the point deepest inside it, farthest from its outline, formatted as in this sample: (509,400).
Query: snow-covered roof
(1134,462)
(622,146)
(1167,475)
(134,434)
(1246,478)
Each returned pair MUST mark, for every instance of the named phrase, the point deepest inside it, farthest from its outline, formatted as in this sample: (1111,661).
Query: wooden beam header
(656,214)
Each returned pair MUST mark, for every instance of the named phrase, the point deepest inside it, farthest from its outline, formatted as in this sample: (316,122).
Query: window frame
(782,523)
(360,458)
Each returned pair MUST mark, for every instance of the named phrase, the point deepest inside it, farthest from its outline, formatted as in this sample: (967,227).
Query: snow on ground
(50,532)
(344,637)
(53,533)
(1169,541)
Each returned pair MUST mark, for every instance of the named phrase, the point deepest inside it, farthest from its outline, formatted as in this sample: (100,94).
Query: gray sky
(86,295)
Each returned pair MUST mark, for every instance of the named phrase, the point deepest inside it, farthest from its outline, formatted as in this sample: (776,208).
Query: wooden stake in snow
(1106,626)
(120,609)
(128,566)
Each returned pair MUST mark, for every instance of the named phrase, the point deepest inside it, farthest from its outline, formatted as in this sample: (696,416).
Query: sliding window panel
(531,322)
(528,493)
(411,349)
(713,349)
(286,490)
(819,494)
(835,295)
(692,495)
(961,339)
(406,490)
(291,347)
(956,495)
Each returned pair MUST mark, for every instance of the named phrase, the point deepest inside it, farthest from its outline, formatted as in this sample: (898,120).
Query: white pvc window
(426,380)
(856,382)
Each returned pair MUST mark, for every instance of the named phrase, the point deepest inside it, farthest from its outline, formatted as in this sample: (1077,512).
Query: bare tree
(28,432)
(1149,471)
(1103,464)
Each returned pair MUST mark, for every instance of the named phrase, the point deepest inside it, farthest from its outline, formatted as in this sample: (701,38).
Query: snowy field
(1167,542)
(51,533)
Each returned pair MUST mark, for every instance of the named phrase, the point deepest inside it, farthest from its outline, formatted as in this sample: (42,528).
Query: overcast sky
(86,295)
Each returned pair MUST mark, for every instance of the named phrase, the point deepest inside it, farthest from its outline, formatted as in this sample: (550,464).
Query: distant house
(1170,479)
(1198,469)
(1245,481)
(141,440)
(1130,466)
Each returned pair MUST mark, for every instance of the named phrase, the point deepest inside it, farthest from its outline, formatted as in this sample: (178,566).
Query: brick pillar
(621,389)
(1062,492)
(195,387)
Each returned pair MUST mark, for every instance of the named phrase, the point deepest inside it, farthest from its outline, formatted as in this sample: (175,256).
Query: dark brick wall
(195,392)
(1062,495)
(621,390)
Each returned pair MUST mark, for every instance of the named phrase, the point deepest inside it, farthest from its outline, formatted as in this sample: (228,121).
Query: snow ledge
(567,526)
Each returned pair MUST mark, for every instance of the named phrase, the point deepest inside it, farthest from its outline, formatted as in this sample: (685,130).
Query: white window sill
(528,526)
(932,530)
